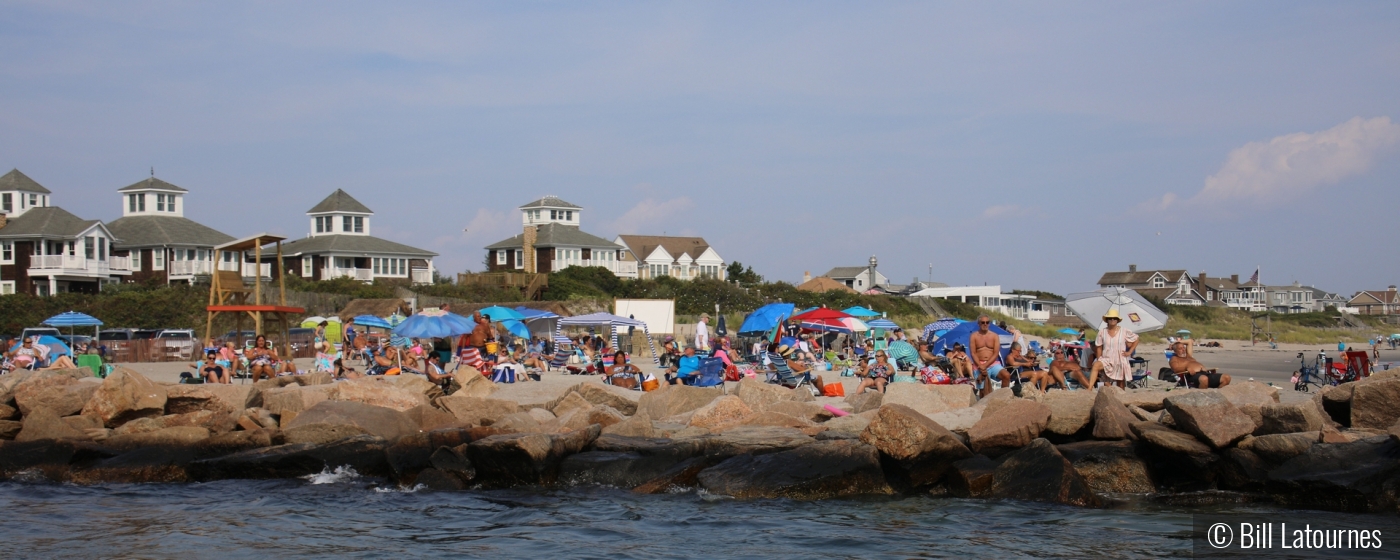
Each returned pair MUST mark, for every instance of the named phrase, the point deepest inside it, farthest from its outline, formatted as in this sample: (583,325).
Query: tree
(736,272)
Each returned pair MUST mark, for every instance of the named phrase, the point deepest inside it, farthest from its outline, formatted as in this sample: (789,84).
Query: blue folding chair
(710,374)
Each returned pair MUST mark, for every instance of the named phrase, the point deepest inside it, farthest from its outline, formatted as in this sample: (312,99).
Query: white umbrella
(1139,315)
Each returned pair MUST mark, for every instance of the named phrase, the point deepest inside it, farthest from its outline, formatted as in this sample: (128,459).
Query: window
(359,224)
(136,261)
(318,224)
(519,258)
(102,248)
(201,254)
(500,257)
(33,200)
(89,247)
(553,214)
(7,252)
(1158,282)
(131,203)
(170,202)
(346,224)
(569,216)
(160,203)
(7,287)
(72,248)
(7,203)
(158,260)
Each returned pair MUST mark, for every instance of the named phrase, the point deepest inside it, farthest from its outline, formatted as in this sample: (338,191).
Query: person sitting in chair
(1030,368)
(687,366)
(1184,364)
(432,367)
(1061,364)
(213,371)
(877,374)
(623,371)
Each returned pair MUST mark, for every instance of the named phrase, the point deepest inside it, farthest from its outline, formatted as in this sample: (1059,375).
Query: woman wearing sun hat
(1115,346)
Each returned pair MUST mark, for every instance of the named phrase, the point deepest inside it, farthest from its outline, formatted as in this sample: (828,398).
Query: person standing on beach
(481,333)
(1115,346)
(986,354)
(702,332)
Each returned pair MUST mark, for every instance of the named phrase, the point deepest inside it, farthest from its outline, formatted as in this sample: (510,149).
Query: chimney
(806,276)
(1392,287)
(1235,278)
(528,249)
(1203,278)
(1132,268)
(4,220)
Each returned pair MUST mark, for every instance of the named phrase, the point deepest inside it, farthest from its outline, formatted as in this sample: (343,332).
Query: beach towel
(471,356)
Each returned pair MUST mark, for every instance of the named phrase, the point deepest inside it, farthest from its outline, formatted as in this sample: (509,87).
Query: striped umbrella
(882,323)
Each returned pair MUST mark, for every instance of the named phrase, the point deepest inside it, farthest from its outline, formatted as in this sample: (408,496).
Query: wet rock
(429,418)
(861,402)
(41,424)
(385,423)
(182,436)
(124,396)
(921,447)
(1111,419)
(1290,418)
(453,460)
(826,469)
(1339,476)
(1010,426)
(1178,462)
(526,458)
(685,474)
(955,396)
(916,396)
(971,477)
(183,399)
(1376,404)
(143,465)
(477,411)
(1239,469)
(1070,411)
(619,469)
(1039,473)
(50,456)
(321,433)
(363,453)
(439,481)
(382,391)
(959,420)
(1109,466)
(60,394)
(724,410)
(1277,448)
(671,400)
(1209,416)
(233,442)
(754,439)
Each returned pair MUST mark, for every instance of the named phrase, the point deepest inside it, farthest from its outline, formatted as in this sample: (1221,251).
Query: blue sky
(1032,145)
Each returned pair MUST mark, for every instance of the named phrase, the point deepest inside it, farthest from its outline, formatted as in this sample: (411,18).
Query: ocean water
(338,514)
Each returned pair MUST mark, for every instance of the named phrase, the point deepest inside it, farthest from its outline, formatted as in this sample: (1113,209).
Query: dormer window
(346,224)
(160,203)
(33,200)
(1158,282)
(359,224)
(7,203)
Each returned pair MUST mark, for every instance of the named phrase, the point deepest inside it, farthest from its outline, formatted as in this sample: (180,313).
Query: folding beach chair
(710,374)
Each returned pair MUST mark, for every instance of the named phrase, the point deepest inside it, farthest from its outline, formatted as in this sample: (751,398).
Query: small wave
(399,489)
(327,476)
(29,476)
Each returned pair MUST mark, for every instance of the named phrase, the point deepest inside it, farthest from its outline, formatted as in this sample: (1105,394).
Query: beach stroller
(710,374)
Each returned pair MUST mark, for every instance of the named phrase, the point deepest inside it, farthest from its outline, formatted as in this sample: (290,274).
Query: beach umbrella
(882,323)
(54,345)
(847,325)
(931,329)
(819,314)
(516,328)
(858,311)
(72,319)
(902,350)
(1069,331)
(962,334)
(1184,332)
(1139,315)
(372,321)
(498,313)
(765,318)
(824,317)
(434,323)
(532,314)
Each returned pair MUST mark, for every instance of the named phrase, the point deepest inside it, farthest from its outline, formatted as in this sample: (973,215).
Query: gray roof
(551,202)
(160,231)
(557,235)
(50,221)
(151,183)
(321,244)
(340,201)
(16,181)
(846,271)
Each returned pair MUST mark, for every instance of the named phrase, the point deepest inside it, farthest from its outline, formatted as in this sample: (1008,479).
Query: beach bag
(934,376)
(731,373)
(833,390)
(651,384)
(905,379)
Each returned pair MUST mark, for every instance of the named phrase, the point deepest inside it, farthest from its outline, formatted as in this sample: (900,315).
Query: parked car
(75,339)
(38,331)
(176,333)
(144,334)
(115,334)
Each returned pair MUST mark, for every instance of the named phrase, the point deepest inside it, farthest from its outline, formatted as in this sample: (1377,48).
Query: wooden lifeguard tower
(228,293)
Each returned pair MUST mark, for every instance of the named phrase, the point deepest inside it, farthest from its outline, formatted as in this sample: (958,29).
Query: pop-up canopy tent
(612,322)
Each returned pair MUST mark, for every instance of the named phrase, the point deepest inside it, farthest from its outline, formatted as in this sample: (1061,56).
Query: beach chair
(710,374)
(1141,373)
(92,362)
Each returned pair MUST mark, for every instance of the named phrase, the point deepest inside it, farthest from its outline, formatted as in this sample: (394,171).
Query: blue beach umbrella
(516,328)
(765,318)
(882,323)
(72,319)
(372,321)
(498,313)
(858,311)
(1070,332)
(963,332)
(434,324)
(532,314)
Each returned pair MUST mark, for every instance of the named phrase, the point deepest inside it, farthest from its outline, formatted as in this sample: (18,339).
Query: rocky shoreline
(1339,451)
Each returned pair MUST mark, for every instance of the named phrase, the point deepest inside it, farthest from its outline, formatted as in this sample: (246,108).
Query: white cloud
(1290,166)
(653,217)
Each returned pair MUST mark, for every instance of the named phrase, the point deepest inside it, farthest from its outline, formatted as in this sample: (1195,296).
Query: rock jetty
(1339,451)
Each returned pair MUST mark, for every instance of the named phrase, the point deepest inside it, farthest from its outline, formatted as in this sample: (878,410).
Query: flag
(1255,278)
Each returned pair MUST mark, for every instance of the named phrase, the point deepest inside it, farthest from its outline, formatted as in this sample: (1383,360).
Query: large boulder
(861,402)
(922,448)
(1150,400)
(1070,411)
(477,411)
(178,436)
(1112,420)
(853,424)
(41,424)
(510,459)
(1375,404)
(639,425)
(1039,473)
(364,453)
(758,395)
(1335,400)
(621,400)
(821,470)
(570,402)
(1109,466)
(1359,476)
(671,400)
(63,395)
(1178,462)
(1250,397)
(10,428)
(321,433)
(378,421)
(472,383)
(1210,416)
(214,422)
(723,411)
(956,396)
(431,418)
(1277,448)
(124,396)
(381,391)
(181,399)
(971,477)
(959,420)
(917,396)
(754,439)
(11,382)
(1009,426)
(1303,416)
(287,402)
(809,411)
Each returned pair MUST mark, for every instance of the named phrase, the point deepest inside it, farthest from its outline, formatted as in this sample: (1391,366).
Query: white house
(991,298)
(340,245)
(162,243)
(551,241)
(686,258)
(859,278)
(45,249)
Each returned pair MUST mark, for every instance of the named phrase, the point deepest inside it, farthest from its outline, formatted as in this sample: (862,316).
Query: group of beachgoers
(29,354)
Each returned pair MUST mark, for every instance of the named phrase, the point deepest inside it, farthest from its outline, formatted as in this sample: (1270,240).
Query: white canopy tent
(611,322)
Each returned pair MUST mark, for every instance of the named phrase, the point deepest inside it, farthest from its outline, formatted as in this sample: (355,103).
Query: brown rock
(1109,466)
(1376,404)
(526,458)
(1070,411)
(252,419)
(671,400)
(477,411)
(1336,401)
(169,437)
(571,401)
(956,396)
(430,418)
(1111,419)
(972,477)
(725,410)
(1039,473)
(1277,448)
(1169,440)
(10,428)
(821,470)
(382,422)
(124,396)
(570,421)
(234,442)
(215,422)
(180,399)
(60,394)
(473,383)
(521,422)
(809,411)
(287,402)
(604,415)
(959,420)
(1209,416)
(379,392)
(42,424)
(861,402)
(771,418)
(923,448)
(83,423)
(314,378)
(758,395)
(1293,417)
(619,399)
(8,412)
(1241,393)
(917,396)
(1150,400)
(638,425)
(854,423)
(320,433)
(1009,426)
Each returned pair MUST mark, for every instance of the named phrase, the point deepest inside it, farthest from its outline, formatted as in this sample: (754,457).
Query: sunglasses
(1113,319)
(984,322)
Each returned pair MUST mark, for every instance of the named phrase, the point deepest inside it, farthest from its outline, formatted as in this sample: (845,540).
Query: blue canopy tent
(961,333)
(858,311)
(765,319)
(931,330)
(538,322)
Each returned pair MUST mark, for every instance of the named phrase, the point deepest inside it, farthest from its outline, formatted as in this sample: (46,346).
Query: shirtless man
(1183,363)
(1016,359)
(1061,364)
(925,355)
(481,334)
(986,356)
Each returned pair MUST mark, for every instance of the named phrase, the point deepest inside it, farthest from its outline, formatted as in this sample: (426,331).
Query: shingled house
(162,243)
(340,245)
(45,249)
(685,258)
(552,241)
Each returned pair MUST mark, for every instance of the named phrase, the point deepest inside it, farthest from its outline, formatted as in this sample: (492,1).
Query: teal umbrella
(498,313)
(858,311)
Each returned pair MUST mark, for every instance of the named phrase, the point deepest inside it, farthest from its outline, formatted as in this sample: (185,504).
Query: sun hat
(1112,314)
(784,351)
